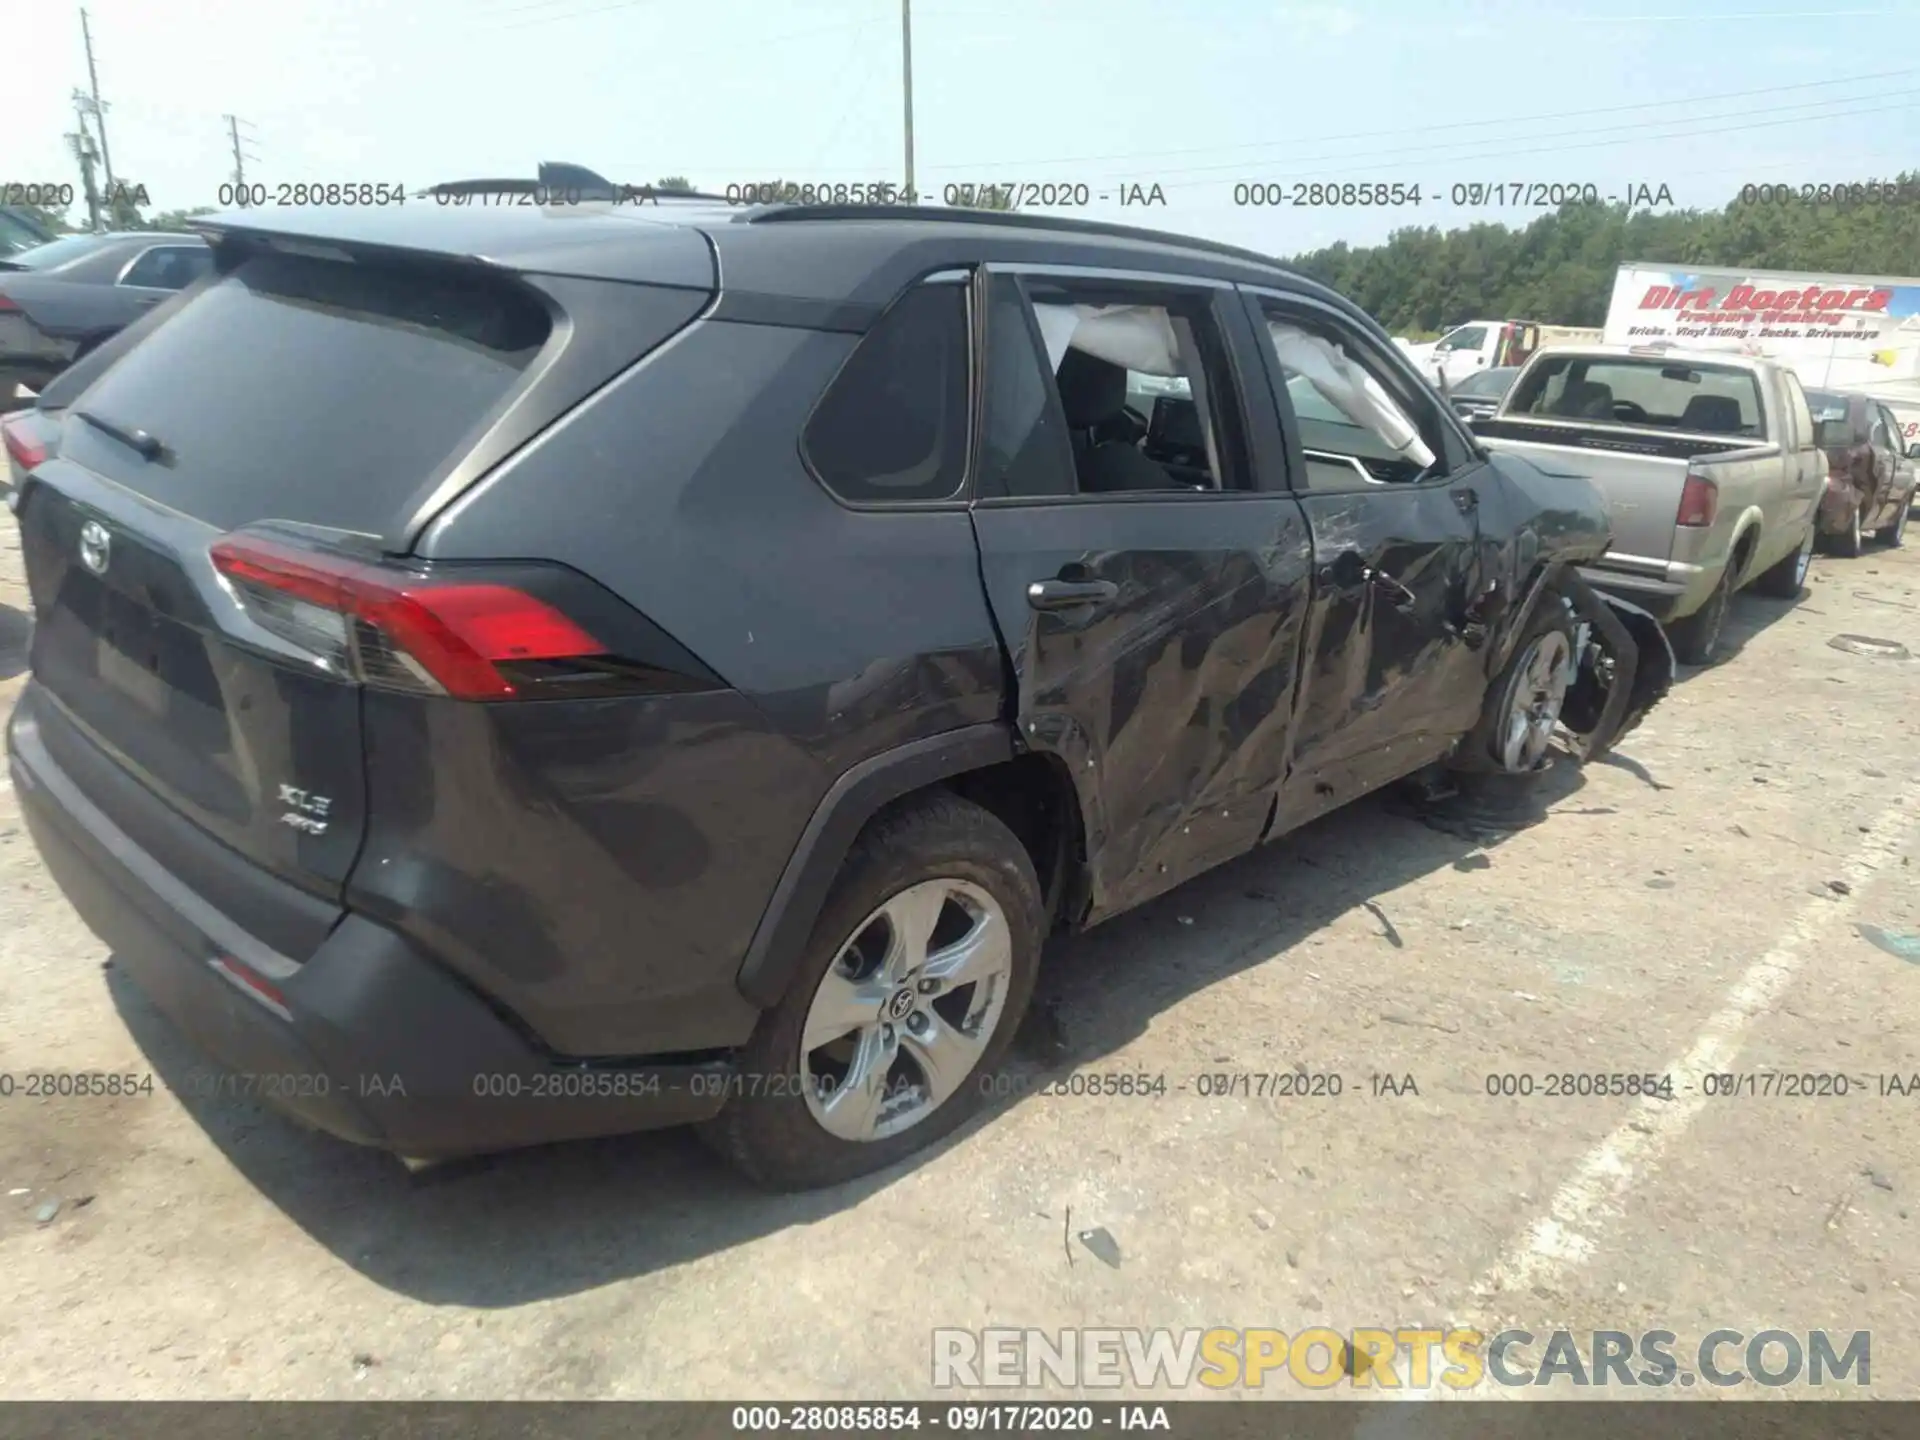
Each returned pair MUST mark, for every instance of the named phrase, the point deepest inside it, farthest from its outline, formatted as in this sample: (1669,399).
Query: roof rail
(1009,219)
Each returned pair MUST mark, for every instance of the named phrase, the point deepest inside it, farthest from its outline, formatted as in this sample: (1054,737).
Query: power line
(1632,130)
(1450,125)
(1403,165)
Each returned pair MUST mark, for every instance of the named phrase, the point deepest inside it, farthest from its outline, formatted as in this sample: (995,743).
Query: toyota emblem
(96,547)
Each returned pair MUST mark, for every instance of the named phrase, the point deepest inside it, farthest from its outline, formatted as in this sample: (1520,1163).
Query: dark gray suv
(510,674)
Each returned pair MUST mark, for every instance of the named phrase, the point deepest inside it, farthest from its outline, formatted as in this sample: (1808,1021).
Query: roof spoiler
(560,182)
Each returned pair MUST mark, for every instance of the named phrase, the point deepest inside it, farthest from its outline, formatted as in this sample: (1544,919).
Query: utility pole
(234,122)
(82,144)
(99,110)
(906,71)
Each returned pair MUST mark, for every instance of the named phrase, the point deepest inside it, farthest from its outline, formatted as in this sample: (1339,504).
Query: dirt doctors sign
(1835,330)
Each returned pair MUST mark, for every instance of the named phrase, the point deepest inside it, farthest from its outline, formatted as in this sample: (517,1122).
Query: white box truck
(1837,332)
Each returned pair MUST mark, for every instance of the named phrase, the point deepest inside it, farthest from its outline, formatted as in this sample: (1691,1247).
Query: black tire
(773,1136)
(1481,752)
(1696,639)
(1894,535)
(1787,578)
(1850,542)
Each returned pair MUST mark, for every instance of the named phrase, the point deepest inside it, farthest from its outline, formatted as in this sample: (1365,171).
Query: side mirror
(1913,451)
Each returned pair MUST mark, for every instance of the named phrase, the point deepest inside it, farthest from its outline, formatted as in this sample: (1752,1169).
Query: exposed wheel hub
(1534,702)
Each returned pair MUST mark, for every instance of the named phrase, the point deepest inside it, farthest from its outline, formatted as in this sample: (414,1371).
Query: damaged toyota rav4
(531,674)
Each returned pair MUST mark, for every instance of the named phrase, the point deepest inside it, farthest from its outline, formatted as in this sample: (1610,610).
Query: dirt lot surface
(1694,906)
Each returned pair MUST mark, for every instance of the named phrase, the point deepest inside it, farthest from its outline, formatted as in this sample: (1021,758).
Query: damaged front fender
(1625,669)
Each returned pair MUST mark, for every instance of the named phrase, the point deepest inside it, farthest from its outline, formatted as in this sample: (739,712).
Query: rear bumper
(1837,507)
(1667,590)
(372,1041)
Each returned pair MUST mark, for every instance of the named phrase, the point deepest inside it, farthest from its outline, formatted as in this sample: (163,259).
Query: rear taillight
(397,629)
(7,304)
(21,448)
(1699,502)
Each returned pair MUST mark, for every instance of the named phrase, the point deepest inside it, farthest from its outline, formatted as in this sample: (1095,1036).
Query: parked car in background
(30,434)
(425,745)
(1479,395)
(1709,463)
(61,299)
(1488,345)
(1870,477)
(20,230)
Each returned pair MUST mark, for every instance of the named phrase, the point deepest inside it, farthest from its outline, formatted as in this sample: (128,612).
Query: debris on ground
(1263,1218)
(1840,887)
(1387,929)
(1901,944)
(1871,647)
(1104,1247)
(46,1212)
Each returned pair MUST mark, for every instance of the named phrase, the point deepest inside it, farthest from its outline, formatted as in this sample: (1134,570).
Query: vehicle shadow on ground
(16,629)
(537,1224)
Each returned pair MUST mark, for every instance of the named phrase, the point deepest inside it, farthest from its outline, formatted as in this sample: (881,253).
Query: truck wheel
(910,990)
(1892,535)
(1849,543)
(1523,705)
(1788,577)
(1696,639)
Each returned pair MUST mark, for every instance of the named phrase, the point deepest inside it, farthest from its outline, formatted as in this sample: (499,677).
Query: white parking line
(1564,1236)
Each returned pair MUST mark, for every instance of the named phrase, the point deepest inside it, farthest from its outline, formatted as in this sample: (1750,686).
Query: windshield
(1487,384)
(1652,392)
(64,251)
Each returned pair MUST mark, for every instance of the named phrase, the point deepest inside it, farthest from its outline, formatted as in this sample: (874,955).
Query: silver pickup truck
(1708,462)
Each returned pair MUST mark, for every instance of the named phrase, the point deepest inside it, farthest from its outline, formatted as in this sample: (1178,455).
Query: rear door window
(313,390)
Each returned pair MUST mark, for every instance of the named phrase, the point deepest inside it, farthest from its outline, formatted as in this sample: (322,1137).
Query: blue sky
(1195,97)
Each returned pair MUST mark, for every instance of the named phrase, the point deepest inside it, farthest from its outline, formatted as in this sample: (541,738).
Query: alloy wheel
(1534,701)
(905,1011)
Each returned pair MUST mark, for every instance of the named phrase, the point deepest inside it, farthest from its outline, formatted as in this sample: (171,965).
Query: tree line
(1559,270)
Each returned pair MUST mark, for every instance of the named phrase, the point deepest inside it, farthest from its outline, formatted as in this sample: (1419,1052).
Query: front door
(1148,590)
(1391,678)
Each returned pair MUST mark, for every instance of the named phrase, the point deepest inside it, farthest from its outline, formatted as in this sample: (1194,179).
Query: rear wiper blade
(148,447)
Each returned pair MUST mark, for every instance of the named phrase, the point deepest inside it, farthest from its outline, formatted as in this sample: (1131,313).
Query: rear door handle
(1395,594)
(1066,594)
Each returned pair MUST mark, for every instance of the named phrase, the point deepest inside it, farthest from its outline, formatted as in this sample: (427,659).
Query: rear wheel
(1696,639)
(1788,576)
(1892,535)
(1850,542)
(911,988)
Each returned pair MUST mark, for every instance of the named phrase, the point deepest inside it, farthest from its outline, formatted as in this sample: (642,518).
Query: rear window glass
(1656,393)
(893,424)
(1486,384)
(317,391)
(61,252)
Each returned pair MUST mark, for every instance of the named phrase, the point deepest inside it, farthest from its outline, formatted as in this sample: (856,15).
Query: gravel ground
(1694,904)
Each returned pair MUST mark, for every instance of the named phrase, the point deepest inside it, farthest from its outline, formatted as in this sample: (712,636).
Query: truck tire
(1850,542)
(1696,639)
(867,1017)
(1893,535)
(1788,576)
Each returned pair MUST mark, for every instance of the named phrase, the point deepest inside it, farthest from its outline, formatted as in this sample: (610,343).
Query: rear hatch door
(309,399)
